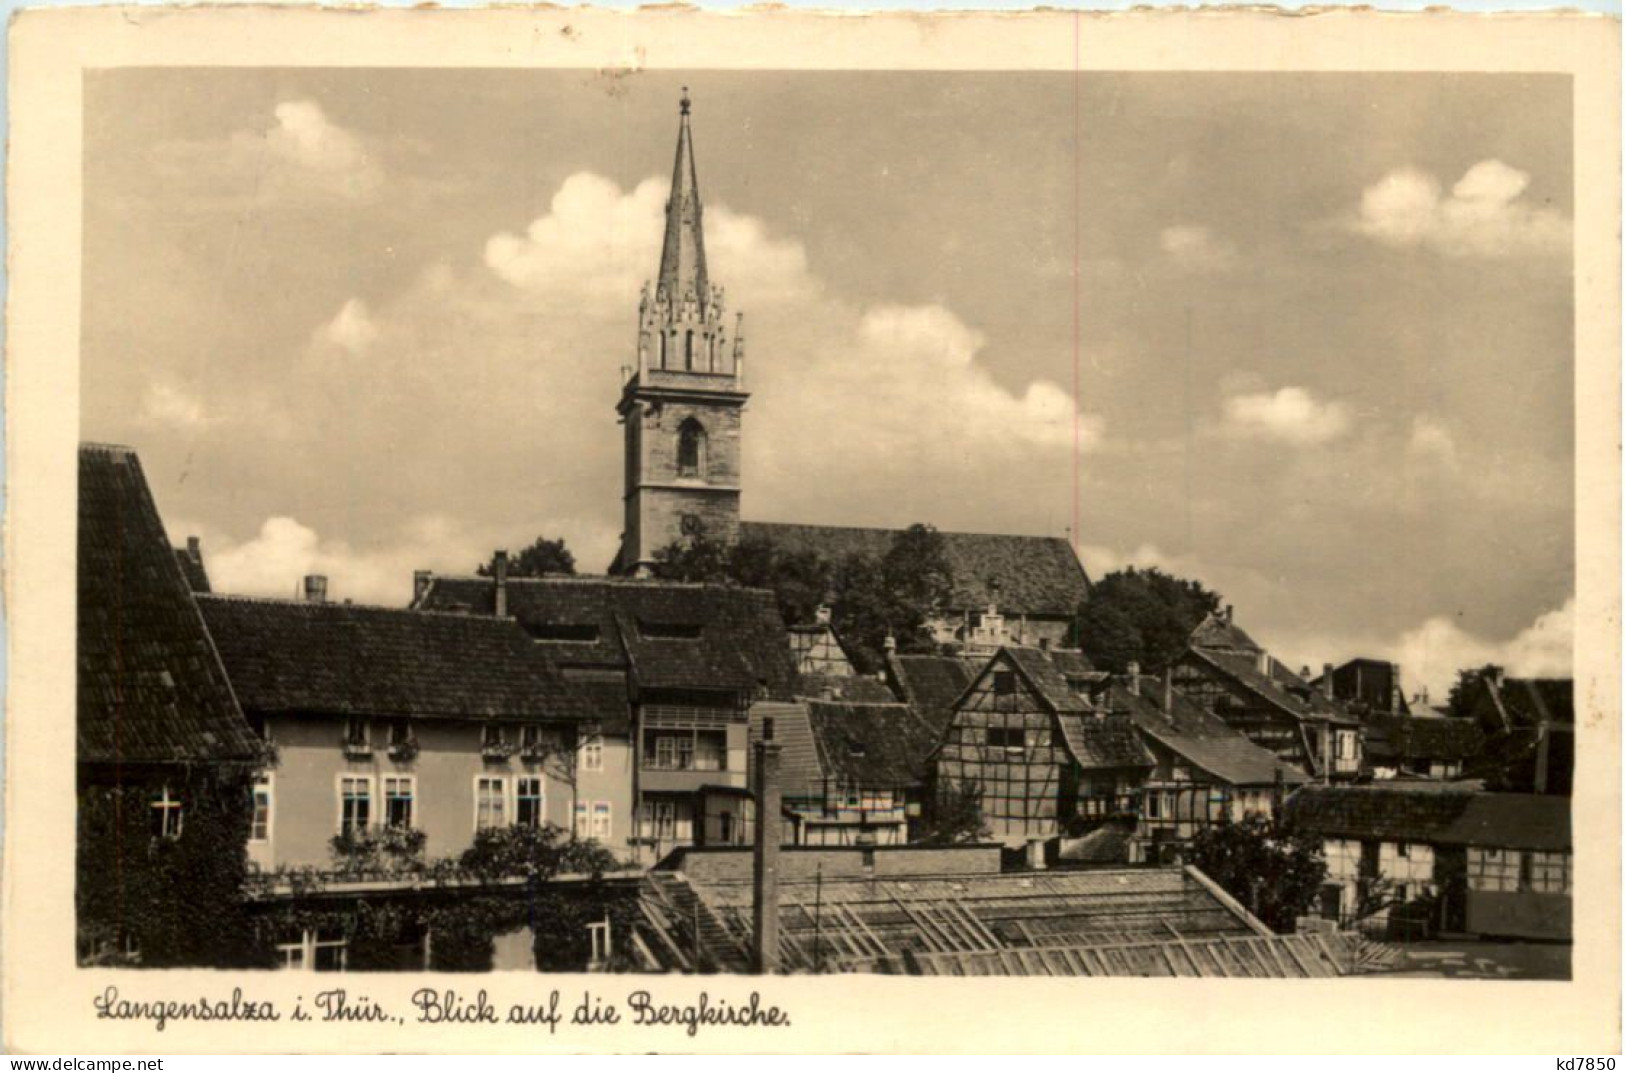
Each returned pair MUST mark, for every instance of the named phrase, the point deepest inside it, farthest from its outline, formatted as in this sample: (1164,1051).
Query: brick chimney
(194,549)
(316,588)
(1134,677)
(765,860)
(499,572)
(421,580)
(1326,680)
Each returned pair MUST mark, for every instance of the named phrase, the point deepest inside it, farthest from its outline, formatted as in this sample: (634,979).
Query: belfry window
(691,449)
(688,351)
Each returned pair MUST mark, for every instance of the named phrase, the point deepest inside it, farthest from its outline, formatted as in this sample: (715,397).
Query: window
(357,733)
(400,732)
(355,803)
(493,736)
(562,631)
(1402,849)
(601,817)
(1347,743)
(399,791)
(665,820)
(671,631)
(529,802)
(1006,737)
(1492,869)
(490,802)
(690,449)
(259,829)
(1153,805)
(583,827)
(665,752)
(1004,683)
(592,748)
(166,815)
(688,350)
(710,751)
(1550,873)
(725,828)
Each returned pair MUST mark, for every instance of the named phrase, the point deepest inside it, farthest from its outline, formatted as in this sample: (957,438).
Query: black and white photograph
(705,521)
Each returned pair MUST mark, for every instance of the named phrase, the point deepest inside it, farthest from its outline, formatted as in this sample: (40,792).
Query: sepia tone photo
(789,522)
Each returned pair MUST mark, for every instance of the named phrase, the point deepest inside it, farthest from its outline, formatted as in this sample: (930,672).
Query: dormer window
(669,631)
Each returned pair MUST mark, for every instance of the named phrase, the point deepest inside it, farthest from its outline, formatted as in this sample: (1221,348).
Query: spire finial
(685,102)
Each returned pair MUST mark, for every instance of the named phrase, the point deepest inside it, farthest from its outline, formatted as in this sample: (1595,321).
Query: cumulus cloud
(1196,248)
(351,329)
(165,404)
(298,151)
(1289,415)
(1483,215)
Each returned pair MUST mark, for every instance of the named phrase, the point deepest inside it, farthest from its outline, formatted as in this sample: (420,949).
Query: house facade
(385,719)
(686,661)
(1416,860)
(1231,675)
(164,756)
(1043,757)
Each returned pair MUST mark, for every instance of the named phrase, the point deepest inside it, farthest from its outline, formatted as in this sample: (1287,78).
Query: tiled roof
(848,687)
(799,772)
(1436,815)
(1201,738)
(871,745)
(1398,737)
(1024,575)
(1279,687)
(1046,680)
(150,686)
(1525,702)
(342,659)
(931,684)
(1102,742)
(1217,631)
(672,635)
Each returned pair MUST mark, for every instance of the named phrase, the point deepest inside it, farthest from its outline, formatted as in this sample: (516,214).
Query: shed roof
(150,685)
(293,656)
(1023,575)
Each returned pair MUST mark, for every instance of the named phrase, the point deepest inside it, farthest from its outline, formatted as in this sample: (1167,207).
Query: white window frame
(1544,868)
(411,782)
(505,797)
(169,806)
(372,798)
(541,800)
(592,747)
(603,810)
(264,784)
(305,948)
(1491,869)
(581,820)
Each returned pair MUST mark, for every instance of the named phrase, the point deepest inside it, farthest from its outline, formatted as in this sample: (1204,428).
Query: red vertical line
(1077,269)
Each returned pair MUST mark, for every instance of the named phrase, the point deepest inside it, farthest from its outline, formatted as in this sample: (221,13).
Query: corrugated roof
(343,659)
(672,635)
(1023,575)
(1438,815)
(150,686)
(1201,738)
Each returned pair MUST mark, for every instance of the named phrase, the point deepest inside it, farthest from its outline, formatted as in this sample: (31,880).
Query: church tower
(682,404)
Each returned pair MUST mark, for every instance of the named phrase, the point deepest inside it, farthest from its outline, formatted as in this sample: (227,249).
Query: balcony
(1108,806)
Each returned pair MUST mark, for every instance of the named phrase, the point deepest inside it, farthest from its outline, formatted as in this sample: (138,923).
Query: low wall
(796,863)
(1521,915)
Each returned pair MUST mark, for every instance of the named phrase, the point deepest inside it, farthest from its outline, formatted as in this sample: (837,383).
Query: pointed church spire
(682,258)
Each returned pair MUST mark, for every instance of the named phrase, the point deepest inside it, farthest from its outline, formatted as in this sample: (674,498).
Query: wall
(612,785)
(805,863)
(654,514)
(305,793)
(1521,914)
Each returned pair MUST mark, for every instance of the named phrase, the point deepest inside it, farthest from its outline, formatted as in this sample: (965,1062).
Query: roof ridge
(293,601)
(606,580)
(893,529)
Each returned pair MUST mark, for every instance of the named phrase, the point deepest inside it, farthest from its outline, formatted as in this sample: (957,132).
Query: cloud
(1483,215)
(1430,440)
(298,152)
(1289,415)
(351,329)
(1196,248)
(164,404)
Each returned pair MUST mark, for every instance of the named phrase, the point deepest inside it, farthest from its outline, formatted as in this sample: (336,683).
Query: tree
(955,816)
(1274,871)
(1141,616)
(542,557)
(1464,693)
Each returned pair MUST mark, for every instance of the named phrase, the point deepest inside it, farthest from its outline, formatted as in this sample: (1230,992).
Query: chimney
(1263,662)
(765,861)
(1326,680)
(194,549)
(1134,677)
(823,615)
(1229,614)
(499,571)
(316,588)
(421,580)
(1168,693)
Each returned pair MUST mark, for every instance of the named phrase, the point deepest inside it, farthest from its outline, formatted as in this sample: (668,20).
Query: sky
(1305,337)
